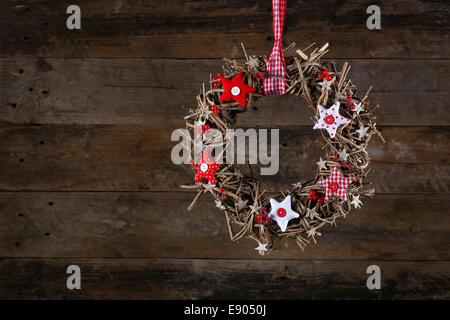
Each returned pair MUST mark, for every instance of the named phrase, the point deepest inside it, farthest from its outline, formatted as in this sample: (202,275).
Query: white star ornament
(330,119)
(282,213)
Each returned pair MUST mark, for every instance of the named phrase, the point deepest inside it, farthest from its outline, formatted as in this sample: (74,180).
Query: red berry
(328,77)
(326,71)
(263,209)
(224,196)
(269,221)
(261,75)
(320,200)
(258,216)
(207,127)
(349,99)
(265,215)
(336,159)
(222,189)
(220,74)
(344,163)
(352,106)
(314,197)
(214,78)
(321,76)
(350,166)
(215,84)
(217,111)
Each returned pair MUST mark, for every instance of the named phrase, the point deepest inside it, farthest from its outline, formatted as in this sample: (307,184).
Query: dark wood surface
(86,176)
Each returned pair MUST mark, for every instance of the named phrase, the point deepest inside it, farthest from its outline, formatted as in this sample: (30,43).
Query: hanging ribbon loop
(274,83)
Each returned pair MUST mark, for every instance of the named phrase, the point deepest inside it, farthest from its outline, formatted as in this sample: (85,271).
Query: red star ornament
(336,185)
(206,169)
(235,89)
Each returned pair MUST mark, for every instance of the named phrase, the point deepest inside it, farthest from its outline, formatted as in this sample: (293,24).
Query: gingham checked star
(282,213)
(336,185)
(330,119)
(206,169)
(235,89)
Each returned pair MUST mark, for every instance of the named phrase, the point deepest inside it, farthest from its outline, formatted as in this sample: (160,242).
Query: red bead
(207,127)
(320,200)
(263,209)
(326,71)
(224,196)
(328,77)
(215,84)
(344,163)
(321,76)
(220,74)
(217,111)
(265,215)
(214,78)
(350,166)
(222,189)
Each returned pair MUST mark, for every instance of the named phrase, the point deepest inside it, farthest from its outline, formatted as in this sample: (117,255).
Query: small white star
(253,62)
(322,164)
(362,131)
(220,205)
(241,204)
(254,209)
(238,173)
(297,185)
(282,212)
(325,84)
(208,187)
(358,108)
(312,232)
(330,119)
(261,248)
(356,202)
(343,155)
(204,112)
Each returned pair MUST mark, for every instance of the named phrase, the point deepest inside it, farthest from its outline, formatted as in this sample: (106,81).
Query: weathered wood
(221,279)
(157,225)
(151,91)
(212,29)
(137,158)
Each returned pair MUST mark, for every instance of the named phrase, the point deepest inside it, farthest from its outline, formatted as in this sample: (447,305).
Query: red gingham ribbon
(274,83)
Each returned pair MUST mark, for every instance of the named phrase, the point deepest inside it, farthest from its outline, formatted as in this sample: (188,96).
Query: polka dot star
(330,119)
(235,89)
(336,185)
(206,169)
(282,213)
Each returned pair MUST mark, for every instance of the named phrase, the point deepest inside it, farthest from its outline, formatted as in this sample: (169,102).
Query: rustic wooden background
(86,176)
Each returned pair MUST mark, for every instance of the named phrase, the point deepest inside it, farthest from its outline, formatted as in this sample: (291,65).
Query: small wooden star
(322,164)
(325,84)
(356,202)
(220,205)
(254,209)
(343,154)
(241,204)
(235,89)
(358,108)
(208,187)
(261,248)
(253,62)
(362,131)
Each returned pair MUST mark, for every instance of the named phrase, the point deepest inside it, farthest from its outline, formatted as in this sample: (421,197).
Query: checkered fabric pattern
(274,83)
(336,185)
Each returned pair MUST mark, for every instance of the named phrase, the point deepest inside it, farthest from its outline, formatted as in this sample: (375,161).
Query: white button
(204,167)
(235,91)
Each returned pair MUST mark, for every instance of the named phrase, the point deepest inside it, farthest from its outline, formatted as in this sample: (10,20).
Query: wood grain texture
(212,29)
(157,225)
(137,158)
(221,279)
(151,91)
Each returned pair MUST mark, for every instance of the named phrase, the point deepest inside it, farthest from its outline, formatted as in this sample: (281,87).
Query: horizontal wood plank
(138,158)
(212,29)
(157,225)
(152,91)
(221,279)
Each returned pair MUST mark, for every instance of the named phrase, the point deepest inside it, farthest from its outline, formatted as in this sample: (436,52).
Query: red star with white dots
(336,185)
(235,89)
(206,169)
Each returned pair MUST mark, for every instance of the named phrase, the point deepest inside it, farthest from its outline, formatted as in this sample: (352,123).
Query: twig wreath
(345,120)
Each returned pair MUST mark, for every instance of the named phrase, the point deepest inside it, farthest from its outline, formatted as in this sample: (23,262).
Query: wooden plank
(205,29)
(137,158)
(151,91)
(221,279)
(157,225)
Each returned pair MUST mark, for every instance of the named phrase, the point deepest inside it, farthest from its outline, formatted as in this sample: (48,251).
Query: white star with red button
(282,213)
(336,185)
(330,119)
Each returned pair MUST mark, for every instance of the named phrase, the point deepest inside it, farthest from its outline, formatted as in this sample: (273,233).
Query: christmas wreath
(344,119)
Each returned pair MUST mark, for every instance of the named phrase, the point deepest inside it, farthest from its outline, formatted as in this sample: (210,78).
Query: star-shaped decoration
(220,205)
(254,209)
(362,131)
(322,164)
(336,185)
(235,89)
(343,154)
(261,248)
(311,213)
(330,119)
(297,185)
(241,204)
(253,62)
(356,202)
(208,187)
(206,169)
(325,84)
(282,213)
(358,108)
(205,112)
(312,232)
